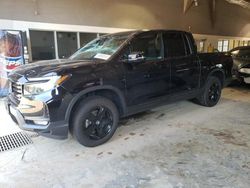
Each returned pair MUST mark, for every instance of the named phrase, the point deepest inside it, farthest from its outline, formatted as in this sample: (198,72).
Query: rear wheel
(95,121)
(211,93)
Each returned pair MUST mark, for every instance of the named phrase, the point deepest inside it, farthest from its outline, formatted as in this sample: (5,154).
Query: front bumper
(247,80)
(32,115)
(243,74)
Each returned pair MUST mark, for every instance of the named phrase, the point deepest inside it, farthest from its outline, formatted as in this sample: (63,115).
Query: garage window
(201,46)
(223,45)
(42,45)
(67,44)
(86,38)
(245,43)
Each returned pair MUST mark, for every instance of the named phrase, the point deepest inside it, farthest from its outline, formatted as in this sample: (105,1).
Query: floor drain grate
(15,140)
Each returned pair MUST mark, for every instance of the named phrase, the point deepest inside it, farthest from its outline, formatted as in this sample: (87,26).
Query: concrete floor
(175,146)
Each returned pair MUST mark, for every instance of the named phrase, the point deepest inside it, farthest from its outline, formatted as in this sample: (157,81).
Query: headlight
(245,70)
(40,85)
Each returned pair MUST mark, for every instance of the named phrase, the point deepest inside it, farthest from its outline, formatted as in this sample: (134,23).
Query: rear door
(185,65)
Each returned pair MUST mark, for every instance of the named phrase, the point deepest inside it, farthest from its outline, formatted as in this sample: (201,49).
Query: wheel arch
(110,92)
(219,73)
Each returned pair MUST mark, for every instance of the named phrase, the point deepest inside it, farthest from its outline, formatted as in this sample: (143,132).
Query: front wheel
(95,121)
(211,93)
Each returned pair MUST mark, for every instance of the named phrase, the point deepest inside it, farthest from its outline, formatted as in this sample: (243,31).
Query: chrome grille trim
(16,90)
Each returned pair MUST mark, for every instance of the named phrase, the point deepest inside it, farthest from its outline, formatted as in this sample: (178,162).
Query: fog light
(38,122)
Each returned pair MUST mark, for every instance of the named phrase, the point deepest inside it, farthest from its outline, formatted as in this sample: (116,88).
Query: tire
(95,121)
(211,93)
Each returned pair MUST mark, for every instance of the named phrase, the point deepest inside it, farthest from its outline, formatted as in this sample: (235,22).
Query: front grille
(15,140)
(16,90)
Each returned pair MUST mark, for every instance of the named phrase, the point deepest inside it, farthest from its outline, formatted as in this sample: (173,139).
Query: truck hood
(47,68)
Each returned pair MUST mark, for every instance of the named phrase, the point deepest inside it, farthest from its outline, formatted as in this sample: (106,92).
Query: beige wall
(232,20)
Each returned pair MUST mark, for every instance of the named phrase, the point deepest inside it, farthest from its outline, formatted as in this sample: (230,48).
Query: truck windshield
(101,48)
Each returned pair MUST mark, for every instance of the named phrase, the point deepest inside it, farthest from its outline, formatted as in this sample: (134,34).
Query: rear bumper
(34,116)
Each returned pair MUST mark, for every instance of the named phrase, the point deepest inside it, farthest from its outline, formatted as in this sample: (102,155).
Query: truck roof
(133,32)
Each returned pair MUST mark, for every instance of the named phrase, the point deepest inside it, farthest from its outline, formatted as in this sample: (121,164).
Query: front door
(150,78)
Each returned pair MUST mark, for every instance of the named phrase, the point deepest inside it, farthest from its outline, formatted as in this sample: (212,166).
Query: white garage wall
(213,39)
(27,26)
(231,20)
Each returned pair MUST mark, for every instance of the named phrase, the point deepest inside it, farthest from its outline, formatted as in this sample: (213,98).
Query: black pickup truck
(114,76)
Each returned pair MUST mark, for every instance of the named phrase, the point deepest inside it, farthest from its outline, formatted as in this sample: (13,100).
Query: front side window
(101,48)
(149,45)
(174,45)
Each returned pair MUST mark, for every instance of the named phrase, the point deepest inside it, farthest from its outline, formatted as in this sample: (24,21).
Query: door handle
(181,65)
(182,70)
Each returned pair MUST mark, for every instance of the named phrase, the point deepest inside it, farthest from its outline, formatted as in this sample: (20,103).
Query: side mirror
(136,57)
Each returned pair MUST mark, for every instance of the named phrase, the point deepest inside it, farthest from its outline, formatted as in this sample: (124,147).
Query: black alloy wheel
(98,123)
(95,121)
(214,92)
(211,93)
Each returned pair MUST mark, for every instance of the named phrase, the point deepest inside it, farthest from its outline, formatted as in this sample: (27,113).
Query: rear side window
(174,45)
(187,47)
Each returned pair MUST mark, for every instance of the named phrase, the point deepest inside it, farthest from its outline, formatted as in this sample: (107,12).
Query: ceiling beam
(212,11)
(187,5)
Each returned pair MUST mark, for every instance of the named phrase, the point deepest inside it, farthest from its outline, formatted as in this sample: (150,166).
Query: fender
(217,69)
(95,88)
